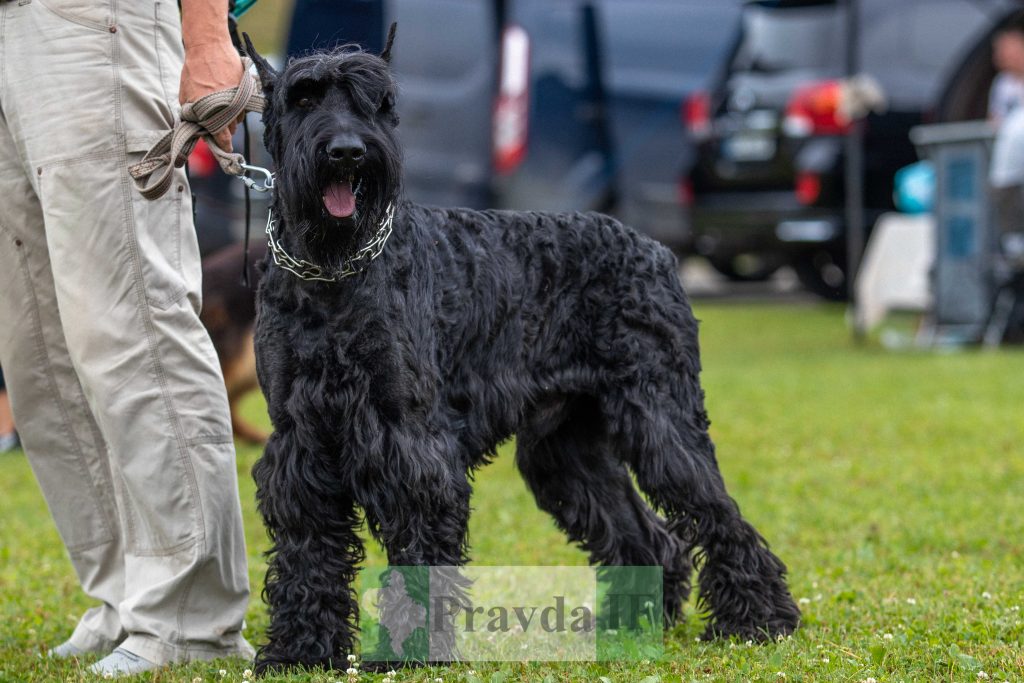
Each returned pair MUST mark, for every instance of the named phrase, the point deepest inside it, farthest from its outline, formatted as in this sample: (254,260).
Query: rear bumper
(655,210)
(728,223)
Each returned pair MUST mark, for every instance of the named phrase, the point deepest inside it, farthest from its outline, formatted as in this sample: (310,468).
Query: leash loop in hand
(203,118)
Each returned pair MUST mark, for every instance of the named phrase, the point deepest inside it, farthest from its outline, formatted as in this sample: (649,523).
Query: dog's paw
(780,627)
(271,664)
(265,667)
(383,666)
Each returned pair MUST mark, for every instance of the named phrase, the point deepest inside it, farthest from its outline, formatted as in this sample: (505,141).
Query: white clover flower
(223,673)
(749,643)
(247,673)
(439,680)
(780,674)
(982,676)
(351,658)
(986,596)
(887,636)
(868,680)
(197,679)
(351,671)
(824,660)
(804,601)
(911,601)
(393,673)
(108,675)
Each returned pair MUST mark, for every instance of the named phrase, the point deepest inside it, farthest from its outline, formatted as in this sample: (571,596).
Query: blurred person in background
(8,436)
(1007,92)
(1006,110)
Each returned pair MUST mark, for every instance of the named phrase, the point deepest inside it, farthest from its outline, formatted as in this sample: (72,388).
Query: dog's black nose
(346,148)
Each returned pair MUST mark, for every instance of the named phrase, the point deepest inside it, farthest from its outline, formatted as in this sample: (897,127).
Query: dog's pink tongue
(339,200)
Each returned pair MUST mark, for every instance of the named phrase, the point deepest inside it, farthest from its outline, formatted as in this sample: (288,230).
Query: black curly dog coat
(387,388)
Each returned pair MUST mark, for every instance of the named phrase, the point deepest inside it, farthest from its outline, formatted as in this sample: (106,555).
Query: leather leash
(203,118)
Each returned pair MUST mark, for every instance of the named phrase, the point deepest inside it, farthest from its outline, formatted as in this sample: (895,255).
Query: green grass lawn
(890,483)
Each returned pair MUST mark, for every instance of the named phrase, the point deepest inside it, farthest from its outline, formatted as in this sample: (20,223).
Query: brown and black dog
(229,314)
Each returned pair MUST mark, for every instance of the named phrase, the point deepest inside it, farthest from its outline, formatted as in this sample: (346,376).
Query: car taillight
(511,110)
(686,192)
(808,188)
(201,162)
(817,109)
(696,114)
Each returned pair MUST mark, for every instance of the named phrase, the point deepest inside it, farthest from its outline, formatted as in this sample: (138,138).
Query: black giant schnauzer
(398,345)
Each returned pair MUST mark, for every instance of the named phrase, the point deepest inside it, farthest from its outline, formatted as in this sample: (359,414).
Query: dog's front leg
(312,522)
(421,517)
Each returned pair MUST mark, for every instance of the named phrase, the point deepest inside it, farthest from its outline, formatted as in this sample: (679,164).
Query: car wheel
(747,267)
(823,273)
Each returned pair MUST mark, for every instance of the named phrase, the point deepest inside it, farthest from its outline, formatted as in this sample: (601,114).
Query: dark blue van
(542,104)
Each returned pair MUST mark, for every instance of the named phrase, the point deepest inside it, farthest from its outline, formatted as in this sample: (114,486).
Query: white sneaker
(121,662)
(66,651)
(9,441)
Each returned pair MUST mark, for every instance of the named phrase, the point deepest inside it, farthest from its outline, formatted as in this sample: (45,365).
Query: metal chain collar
(310,271)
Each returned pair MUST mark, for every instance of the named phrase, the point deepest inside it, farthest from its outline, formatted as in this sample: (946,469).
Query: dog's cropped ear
(267,73)
(386,55)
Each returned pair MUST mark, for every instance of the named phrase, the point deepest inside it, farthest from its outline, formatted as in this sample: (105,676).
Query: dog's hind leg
(312,561)
(567,461)
(741,581)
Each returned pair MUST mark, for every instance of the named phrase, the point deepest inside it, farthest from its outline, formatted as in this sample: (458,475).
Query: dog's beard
(331,214)
(328,211)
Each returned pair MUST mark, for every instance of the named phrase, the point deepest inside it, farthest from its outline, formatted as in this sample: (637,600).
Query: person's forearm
(204,22)
(211,62)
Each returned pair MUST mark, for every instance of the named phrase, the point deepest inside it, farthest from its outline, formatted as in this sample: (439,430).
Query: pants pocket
(91,14)
(167,243)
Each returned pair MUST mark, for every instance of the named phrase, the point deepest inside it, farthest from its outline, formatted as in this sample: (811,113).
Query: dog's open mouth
(340,198)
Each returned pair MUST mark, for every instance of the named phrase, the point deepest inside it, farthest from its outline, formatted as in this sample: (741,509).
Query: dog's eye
(305,102)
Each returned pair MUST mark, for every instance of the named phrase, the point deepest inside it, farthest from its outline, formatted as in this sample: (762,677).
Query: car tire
(747,267)
(823,272)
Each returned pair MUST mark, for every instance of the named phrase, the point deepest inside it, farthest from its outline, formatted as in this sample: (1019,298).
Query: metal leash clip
(253,185)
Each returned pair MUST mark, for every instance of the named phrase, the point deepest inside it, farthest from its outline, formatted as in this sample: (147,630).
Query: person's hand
(209,68)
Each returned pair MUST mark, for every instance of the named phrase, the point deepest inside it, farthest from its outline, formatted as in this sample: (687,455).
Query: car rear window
(449,39)
(783,38)
(672,44)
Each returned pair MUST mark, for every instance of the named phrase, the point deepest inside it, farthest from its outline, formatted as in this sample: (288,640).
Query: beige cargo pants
(113,380)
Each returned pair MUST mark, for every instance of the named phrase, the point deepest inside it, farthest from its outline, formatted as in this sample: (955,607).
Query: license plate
(749,147)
